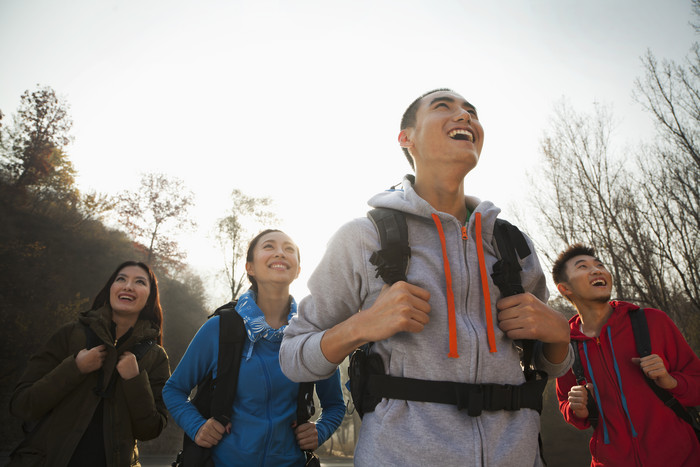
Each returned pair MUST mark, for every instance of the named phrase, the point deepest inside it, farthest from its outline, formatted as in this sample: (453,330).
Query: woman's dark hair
(249,254)
(152,311)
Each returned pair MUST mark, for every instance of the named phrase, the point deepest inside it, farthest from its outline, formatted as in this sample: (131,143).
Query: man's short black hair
(559,267)
(409,118)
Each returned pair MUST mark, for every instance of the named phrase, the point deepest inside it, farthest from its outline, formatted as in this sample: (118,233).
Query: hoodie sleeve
(535,282)
(564,385)
(338,290)
(679,358)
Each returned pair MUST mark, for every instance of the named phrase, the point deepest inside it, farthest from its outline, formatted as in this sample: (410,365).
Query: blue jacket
(264,408)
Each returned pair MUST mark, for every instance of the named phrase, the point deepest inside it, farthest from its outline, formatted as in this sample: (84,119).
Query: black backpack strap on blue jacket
(232,337)
(640,328)
(215,396)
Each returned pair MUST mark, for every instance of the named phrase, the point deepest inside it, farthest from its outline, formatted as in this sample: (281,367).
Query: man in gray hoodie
(447,322)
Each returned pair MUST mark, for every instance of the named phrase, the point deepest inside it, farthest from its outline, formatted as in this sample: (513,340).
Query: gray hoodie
(402,432)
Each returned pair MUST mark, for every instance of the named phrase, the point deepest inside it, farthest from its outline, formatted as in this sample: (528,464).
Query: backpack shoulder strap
(305,402)
(232,337)
(640,328)
(393,257)
(577,367)
(91,339)
(511,244)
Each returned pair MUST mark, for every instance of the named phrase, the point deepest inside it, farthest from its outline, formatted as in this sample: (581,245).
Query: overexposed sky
(301,101)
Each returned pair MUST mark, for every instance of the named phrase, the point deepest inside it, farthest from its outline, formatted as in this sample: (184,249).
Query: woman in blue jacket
(263,427)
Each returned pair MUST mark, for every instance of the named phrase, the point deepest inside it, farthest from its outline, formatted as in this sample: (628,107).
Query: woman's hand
(91,360)
(128,366)
(211,433)
(307,435)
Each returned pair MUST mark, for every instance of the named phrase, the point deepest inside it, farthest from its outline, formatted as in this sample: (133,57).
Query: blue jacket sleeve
(332,406)
(199,359)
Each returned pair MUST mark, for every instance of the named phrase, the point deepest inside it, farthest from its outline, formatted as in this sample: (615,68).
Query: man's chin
(604,299)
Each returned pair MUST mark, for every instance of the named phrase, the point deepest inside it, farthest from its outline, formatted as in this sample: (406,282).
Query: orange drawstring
(451,318)
(484,284)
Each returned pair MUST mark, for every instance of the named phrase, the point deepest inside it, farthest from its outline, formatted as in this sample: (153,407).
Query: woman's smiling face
(130,290)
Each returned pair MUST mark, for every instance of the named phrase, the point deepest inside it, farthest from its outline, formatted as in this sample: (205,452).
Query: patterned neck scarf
(255,325)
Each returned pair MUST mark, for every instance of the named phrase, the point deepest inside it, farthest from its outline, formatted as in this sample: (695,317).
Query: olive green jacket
(60,401)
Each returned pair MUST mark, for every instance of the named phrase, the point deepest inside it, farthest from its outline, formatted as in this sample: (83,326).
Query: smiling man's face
(587,279)
(446,130)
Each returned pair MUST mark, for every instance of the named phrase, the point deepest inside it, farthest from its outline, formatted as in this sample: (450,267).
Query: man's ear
(564,289)
(405,140)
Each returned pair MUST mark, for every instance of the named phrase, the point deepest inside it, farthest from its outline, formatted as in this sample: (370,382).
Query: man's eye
(441,104)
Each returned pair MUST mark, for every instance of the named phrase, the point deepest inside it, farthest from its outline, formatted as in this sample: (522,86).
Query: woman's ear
(249,268)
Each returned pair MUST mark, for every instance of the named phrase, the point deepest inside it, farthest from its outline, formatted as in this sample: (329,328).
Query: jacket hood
(100,321)
(405,199)
(620,311)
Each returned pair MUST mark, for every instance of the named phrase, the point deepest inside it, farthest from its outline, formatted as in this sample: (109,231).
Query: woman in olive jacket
(95,386)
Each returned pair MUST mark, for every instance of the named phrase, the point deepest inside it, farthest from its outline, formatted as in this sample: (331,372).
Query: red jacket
(645,432)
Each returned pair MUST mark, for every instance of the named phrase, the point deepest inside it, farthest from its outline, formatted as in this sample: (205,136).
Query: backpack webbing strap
(577,368)
(305,402)
(232,336)
(511,244)
(475,398)
(392,259)
(640,328)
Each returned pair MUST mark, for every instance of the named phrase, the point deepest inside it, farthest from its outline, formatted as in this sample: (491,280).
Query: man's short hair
(559,267)
(409,118)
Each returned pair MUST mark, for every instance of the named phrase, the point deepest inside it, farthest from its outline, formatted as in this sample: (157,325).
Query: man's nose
(464,115)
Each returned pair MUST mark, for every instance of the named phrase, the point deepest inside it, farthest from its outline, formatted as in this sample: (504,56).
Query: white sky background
(301,101)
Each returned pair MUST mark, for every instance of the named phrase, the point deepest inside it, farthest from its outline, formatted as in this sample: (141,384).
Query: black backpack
(215,396)
(369,384)
(640,329)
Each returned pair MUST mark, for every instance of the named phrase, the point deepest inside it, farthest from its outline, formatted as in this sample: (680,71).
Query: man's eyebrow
(465,103)
(582,260)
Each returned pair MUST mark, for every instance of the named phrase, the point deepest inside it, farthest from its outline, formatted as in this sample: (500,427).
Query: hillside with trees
(57,253)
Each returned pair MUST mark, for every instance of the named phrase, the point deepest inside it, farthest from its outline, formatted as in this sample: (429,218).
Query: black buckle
(470,397)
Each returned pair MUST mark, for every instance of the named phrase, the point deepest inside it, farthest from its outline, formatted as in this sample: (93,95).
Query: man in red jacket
(634,426)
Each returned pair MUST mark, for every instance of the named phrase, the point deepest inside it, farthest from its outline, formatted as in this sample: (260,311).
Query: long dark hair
(152,311)
(250,254)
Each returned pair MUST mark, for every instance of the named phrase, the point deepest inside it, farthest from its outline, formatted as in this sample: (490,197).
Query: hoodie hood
(405,199)
(619,313)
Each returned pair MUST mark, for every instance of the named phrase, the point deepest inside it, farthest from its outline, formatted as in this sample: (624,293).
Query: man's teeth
(598,282)
(461,135)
